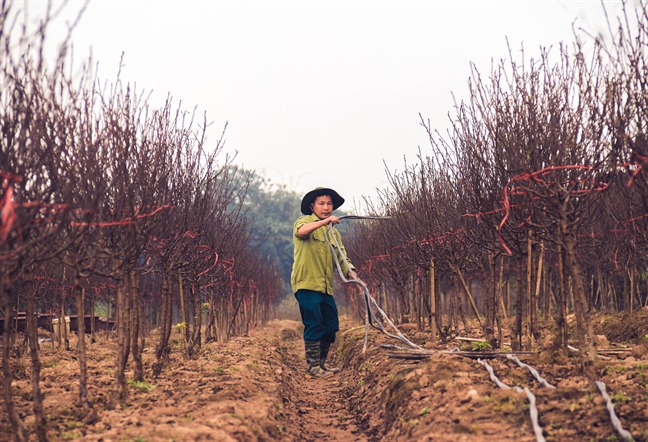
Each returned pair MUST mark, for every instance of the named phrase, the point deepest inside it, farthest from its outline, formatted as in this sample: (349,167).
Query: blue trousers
(319,315)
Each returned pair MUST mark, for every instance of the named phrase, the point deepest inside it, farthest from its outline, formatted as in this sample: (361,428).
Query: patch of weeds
(360,382)
(488,399)
(412,422)
(573,407)
(73,425)
(253,366)
(481,346)
(619,369)
(220,370)
(279,406)
(589,397)
(366,366)
(189,418)
(424,411)
(611,438)
(50,364)
(280,428)
(620,396)
(235,369)
(71,435)
(392,376)
(141,385)
(509,404)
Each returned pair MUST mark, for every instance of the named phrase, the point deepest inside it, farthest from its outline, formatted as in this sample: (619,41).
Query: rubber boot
(314,369)
(324,351)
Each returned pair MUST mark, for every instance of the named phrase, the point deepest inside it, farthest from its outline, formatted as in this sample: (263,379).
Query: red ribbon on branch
(215,260)
(534,176)
(123,222)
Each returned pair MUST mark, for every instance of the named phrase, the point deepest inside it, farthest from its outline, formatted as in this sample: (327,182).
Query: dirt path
(316,406)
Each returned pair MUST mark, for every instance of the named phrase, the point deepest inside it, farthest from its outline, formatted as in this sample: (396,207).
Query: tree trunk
(121,341)
(136,323)
(528,345)
(500,286)
(470,297)
(210,332)
(32,332)
(92,320)
(583,322)
(162,349)
(420,305)
(632,289)
(196,340)
(536,295)
(185,314)
(460,310)
(63,336)
(91,415)
(433,302)
(561,316)
(500,296)
(491,305)
(516,339)
(6,285)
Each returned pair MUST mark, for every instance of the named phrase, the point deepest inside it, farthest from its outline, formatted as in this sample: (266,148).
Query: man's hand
(332,219)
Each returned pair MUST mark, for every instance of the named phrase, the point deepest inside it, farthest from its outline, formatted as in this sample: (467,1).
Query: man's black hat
(319,191)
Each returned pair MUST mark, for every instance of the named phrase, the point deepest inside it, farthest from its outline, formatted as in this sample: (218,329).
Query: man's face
(322,206)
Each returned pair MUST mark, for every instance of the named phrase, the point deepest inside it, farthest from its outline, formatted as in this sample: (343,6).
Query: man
(312,275)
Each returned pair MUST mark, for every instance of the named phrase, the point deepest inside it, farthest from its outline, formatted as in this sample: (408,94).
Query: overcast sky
(318,93)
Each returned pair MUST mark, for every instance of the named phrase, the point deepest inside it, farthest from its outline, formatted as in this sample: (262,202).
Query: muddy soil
(253,389)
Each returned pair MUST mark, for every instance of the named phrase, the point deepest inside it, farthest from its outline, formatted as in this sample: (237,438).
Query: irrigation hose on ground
(370,302)
(533,410)
(625,434)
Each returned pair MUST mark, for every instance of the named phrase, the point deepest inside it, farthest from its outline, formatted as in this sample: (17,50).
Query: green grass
(620,396)
(481,346)
(141,385)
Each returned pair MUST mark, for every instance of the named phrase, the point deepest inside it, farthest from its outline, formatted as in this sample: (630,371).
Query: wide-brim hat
(319,191)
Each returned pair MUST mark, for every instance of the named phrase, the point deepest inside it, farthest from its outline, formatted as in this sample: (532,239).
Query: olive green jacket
(314,267)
